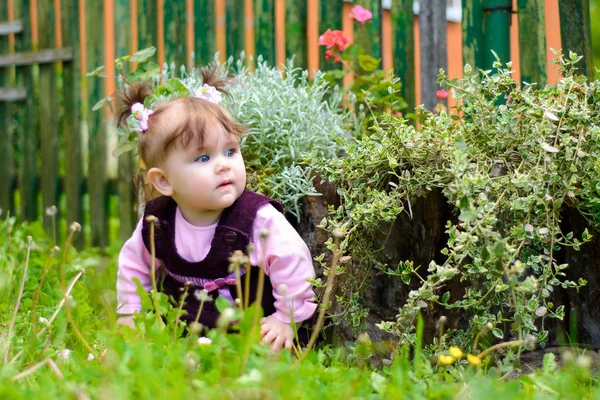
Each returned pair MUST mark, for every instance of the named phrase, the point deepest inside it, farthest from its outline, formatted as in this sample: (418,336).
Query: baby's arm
(134,262)
(288,263)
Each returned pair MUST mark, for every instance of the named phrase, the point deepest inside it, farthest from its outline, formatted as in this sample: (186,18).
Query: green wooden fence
(53,148)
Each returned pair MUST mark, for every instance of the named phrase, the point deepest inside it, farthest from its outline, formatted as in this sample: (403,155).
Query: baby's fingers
(277,343)
(288,344)
(265,328)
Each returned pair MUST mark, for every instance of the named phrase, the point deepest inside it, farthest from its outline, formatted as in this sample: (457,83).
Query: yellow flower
(474,360)
(456,352)
(445,360)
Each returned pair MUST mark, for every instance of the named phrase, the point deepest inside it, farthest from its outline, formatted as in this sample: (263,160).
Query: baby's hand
(276,333)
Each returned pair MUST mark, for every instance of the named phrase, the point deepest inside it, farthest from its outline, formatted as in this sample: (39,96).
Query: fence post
(496,31)
(260,30)
(25,130)
(404,49)
(472,26)
(96,173)
(532,41)
(434,48)
(234,31)
(147,28)
(575,32)
(175,23)
(48,111)
(125,44)
(312,36)
(6,133)
(295,32)
(71,126)
(204,15)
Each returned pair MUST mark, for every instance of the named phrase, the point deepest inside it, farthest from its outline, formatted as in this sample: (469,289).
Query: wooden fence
(53,149)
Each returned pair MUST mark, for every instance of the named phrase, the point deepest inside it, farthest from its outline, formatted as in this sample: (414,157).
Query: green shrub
(508,160)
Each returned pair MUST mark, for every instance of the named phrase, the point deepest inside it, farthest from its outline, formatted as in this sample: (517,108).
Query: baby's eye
(230,152)
(203,158)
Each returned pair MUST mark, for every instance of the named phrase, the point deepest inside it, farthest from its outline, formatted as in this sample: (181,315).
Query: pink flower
(140,115)
(360,14)
(442,94)
(328,55)
(334,38)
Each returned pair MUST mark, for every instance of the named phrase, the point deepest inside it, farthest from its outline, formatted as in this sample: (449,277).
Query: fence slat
(48,111)
(25,129)
(575,32)
(472,25)
(295,32)
(6,134)
(37,57)
(403,44)
(12,94)
(204,28)
(6,28)
(175,38)
(96,176)
(127,170)
(264,29)
(71,125)
(147,23)
(532,41)
(235,27)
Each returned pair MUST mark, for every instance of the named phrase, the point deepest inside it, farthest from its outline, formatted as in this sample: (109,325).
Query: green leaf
(144,71)
(221,303)
(368,63)
(143,54)
(467,216)
(446,297)
(96,72)
(498,333)
(124,148)
(102,103)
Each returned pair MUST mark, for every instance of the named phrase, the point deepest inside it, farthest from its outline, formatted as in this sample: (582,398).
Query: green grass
(153,363)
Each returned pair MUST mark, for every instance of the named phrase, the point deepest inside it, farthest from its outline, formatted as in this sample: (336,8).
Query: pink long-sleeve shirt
(287,262)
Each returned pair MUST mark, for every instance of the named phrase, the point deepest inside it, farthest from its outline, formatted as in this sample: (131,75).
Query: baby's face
(207,179)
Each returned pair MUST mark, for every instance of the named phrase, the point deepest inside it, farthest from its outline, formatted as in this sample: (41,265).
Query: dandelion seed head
(75,227)
(51,211)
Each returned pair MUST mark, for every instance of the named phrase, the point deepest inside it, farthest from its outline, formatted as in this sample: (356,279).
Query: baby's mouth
(224,184)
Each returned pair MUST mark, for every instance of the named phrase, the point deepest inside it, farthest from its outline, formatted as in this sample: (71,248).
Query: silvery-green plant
(287,116)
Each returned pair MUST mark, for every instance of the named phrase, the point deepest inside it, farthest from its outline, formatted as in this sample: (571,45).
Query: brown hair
(177,122)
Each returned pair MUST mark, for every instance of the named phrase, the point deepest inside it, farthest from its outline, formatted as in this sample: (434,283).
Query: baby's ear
(160,181)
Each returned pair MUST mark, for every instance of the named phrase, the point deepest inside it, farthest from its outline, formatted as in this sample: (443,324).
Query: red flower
(442,94)
(328,55)
(334,38)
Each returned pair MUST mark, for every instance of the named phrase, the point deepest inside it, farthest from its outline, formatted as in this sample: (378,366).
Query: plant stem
(324,303)
(238,285)
(152,221)
(512,343)
(70,319)
(14,317)
(31,370)
(51,320)
(38,292)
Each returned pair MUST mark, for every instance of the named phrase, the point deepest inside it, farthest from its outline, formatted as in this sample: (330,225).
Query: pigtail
(214,76)
(128,96)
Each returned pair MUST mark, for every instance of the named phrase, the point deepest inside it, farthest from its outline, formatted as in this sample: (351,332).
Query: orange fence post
(220,30)
(312,31)
(280,57)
